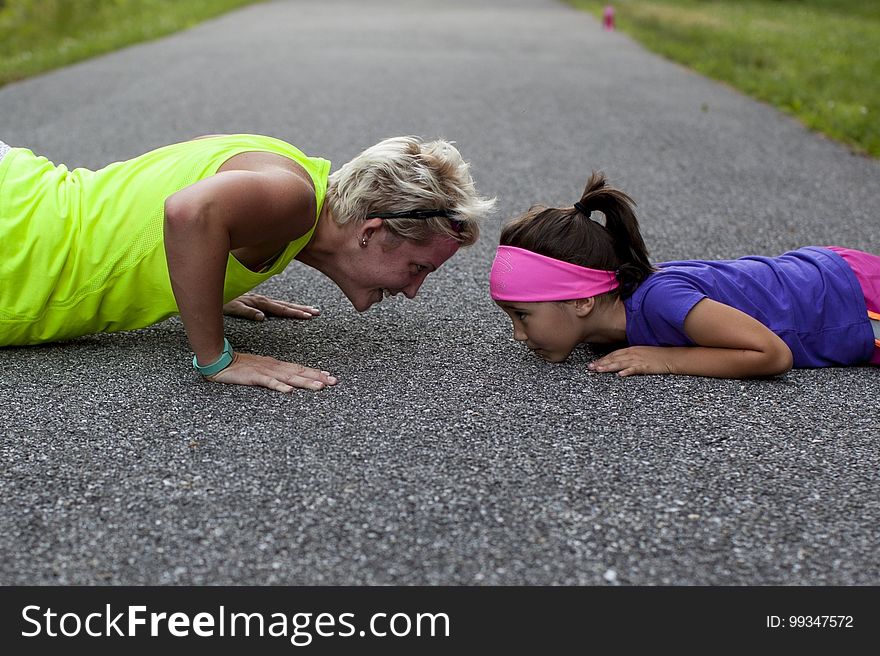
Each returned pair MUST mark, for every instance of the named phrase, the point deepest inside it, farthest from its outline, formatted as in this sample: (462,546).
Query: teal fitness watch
(219,364)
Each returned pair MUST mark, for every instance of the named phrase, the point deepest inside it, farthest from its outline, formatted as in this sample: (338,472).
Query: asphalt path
(446,454)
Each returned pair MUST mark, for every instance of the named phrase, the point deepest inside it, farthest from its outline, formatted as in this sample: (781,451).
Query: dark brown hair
(572,236)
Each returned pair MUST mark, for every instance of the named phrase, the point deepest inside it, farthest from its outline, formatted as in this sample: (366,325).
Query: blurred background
(817,60)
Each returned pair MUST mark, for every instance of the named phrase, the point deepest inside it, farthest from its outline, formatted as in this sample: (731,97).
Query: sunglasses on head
(420,214)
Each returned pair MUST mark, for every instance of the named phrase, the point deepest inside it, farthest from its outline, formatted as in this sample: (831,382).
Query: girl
(191,227)
(564,279)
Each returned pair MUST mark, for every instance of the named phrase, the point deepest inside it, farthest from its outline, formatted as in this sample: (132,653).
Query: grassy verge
(38,35)
(818,60)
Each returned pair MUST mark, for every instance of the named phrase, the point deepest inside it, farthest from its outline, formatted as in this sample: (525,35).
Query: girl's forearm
(715,362)
(726,362)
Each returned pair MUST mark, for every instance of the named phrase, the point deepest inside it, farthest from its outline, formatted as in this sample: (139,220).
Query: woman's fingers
(306,377)
(281,308)
(293,311)
(237,308)
(257,306)
(257,370)
(273,384)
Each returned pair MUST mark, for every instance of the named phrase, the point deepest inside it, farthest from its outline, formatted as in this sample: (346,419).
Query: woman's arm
(203,223)
(730,344)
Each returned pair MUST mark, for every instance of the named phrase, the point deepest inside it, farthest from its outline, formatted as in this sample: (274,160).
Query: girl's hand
(256,307)
(635,360)
(262,371)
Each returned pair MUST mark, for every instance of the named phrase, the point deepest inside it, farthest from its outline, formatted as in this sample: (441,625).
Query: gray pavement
(446,454)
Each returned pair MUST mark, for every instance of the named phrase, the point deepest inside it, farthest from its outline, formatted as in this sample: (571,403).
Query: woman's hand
(256,308)
(262,371)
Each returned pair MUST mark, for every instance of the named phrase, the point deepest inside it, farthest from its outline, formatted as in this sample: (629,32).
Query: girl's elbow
(780,360)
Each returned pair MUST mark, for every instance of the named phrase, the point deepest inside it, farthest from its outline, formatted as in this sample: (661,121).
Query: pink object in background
(608,18)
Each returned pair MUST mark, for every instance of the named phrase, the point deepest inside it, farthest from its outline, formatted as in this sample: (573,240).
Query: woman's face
(387,266)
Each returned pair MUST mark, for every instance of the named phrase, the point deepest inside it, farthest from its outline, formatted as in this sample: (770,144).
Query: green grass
(818,60)
(39,35)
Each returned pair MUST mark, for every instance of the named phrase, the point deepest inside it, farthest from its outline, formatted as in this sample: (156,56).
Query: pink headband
(521,275)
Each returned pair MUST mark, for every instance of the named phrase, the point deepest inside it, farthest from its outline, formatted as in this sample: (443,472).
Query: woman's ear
(372,224)
(366,229)
(583,306)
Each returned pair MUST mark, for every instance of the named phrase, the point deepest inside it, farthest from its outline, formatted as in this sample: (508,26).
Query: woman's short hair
(404,174)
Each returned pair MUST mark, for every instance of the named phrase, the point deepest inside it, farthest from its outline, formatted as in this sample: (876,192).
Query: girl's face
(551,329)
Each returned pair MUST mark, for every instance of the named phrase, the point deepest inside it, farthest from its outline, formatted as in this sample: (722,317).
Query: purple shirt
(809,297)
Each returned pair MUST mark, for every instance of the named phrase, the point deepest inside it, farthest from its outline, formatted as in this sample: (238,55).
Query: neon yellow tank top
(82,251)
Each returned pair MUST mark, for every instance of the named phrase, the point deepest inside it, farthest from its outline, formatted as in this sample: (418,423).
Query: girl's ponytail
(622,225)
(572,236)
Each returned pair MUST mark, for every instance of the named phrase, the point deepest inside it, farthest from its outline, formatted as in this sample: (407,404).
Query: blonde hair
(405,174)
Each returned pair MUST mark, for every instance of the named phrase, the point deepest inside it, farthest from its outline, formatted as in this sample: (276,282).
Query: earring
(363,242)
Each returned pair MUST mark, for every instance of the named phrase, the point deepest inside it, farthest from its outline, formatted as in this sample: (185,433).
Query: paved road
(446,455)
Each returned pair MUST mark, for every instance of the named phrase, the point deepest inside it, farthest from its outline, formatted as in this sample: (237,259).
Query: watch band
(219,364)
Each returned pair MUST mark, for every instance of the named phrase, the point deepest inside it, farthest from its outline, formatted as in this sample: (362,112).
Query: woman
(191,227)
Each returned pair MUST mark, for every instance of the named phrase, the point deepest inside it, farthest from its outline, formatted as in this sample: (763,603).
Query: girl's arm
(730,344)
(203,223)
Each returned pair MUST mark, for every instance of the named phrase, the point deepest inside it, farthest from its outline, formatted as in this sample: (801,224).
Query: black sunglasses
(420,214)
